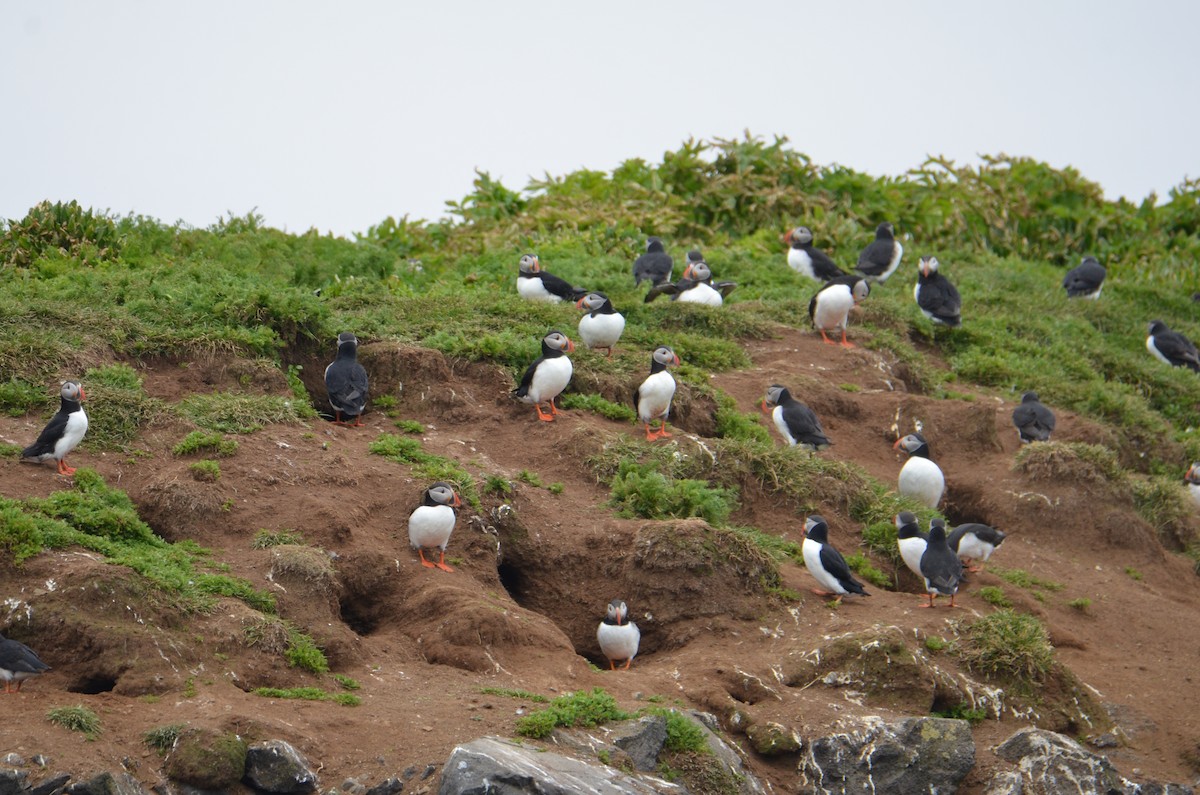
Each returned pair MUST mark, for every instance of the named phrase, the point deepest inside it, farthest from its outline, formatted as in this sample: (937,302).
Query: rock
(353,787)
(207,759)
(387,787)
(642,739)
(13,760)
(1008,783)
(727,756)
(107,784)
(1154,788)
(772,739)
(1051,763)
(52,785)
(12,782)
(275,766)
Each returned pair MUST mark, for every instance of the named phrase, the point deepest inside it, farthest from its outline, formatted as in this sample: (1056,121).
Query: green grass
(302,652)
(500,486)
(10,450)
(1133,573)
(861,565)
(347,682)
(1007,644)
(1023,579)
(228,412)
(994,596)
(641,490)
(1082,604)
(684,735)
(265,539)
(18,398)
(935,644)
(117,406)
(523,695)
(308,694)
(206,471)
(963,711)
(586,709)
(203,442)
(427,466)
(77,719)
(598,405)
(162,738)
(410,426)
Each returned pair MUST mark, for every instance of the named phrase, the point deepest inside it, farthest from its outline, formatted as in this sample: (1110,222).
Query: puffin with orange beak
(547,377)
(431,524)
(652,400)
(936,296)
(796,422)
(603,325)
(618,636)
(696,287)
(536,284)
(829,309)
(64,432)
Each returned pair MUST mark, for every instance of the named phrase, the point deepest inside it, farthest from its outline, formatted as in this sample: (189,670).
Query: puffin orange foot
(819,592)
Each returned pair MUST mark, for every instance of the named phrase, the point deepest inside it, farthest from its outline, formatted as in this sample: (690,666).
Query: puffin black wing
(655,266)
(724,288)
(1085,279)
(876,257)
(527,380)
(823,266)
(667,288)
(940,298)
(1034,421)
(804,425)
(561,287)
(1178,349)
(19,658)
(54,430)
(837,567)
(347,384)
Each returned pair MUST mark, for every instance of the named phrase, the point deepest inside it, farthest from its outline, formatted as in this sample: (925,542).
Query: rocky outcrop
(277,767)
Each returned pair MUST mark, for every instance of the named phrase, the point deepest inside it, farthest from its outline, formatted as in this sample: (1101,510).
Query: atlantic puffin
(911,540)
(696,287)
(694,256)
(1034,421)
(796,422)
(940,567)
(346,382)
(825,563)
(936,296)
(64,432)
(830,308)
(1172,347)
(431,524)
(618,636)
(652,399)
(1192,479)
(881,257)
(920,478)
(548,376)
(602,325)
(976,542)
(536,284)
(804,259)
(1085,280)
(655,265)
(18,663)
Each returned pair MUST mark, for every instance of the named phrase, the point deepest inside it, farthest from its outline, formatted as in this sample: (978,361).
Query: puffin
(880,259)
(830,308)
(655,265)
(536,284)
(975,541)
(694,256)
(911,540)
(346,382)
(696,287)
(602,325)
(1172,347)
(936,296)
(618,636)
(1034,421)
(940,567)
(18,663)
(1192,479)
(431,524)
(64,432)
(1085,280)
(548,376)
(796,422)
(920,478)
(812,262)
(825,563)
(652,399)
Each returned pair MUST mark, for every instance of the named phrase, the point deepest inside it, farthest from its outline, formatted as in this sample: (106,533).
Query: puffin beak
(457,500)
(579,303)
(897,444)
(570,347)
(687,272)
(763,405)
(787,239)
(677,362)
(82,395)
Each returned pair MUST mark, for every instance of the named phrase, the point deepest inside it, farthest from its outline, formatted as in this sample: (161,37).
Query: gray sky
(335,115)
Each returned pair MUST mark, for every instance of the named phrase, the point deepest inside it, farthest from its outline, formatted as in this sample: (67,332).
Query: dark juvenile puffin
(1192,481)
(830,308)
(796,422)
(936,296)
(825,563)
(1085,280)
(618,636)
(1172,347)
(548,376)
(880,259)
(812,262)
(346,382)
(940,567)
(1034,421)
(18,663)
(655,265)
(974,541)
(431,524)
(602,325)
(696,287)
(539,285)
(64,432)
(652,399)
(919,478)
(911,540)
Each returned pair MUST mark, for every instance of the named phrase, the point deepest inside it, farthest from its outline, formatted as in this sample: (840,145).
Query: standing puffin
(346,382)
(1085,280)
(920,478)
(825,563)
(652,399)
(880,259)
(655,265)
(618,636)
(696,287)
(431,524)
(1192,480)
(830,308)
(536,284)
(940,567)
(796,422)
(812,262)
(936,296)
(548,376)
(602,325)
(1172,347)
(911,540)
(18,663)
(974,541)
(64,432)
(1034,421)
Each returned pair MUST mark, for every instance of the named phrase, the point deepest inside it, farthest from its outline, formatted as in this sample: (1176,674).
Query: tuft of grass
(598,405)
(641,490)
(556,488)
(265,539)
(523,695)
(1023,579)
(1166,508)
(410,426)
(684,735)
(1070,462)
(495,484)
(308,694)
(994,596)
(532,478)
(207,470)
(9,450)
(935,643)
(735,424)
(18,398)
(861,565)
(963,711)
(1133,573)
(1081,604)
(776,547)
(77,719)
(229,412)
(583,708)
(302,652)
(347,682)
(117,406)
(211,443)
(404,450)
(162,738)
(1007,643)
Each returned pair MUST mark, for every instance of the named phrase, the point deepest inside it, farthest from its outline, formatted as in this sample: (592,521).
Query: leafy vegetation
(162,738)
(642,490)
(77,719)
(1007,644)
(201,442)
(583,708)
(433,468)
(308,694)
(684,735)
(302,652)
(228,412)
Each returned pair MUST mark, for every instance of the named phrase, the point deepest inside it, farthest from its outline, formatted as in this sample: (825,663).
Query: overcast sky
(335,115)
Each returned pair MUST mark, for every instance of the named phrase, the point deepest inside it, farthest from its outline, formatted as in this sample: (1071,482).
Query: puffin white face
(558,341)
(1193,473)
(698,271)
(811,522)
(861,290)
(928,265)
(618,612)
(774,394)
(665,356)
(591,302)
(73,391)
(529,264)
(443,494)
(905,517)
(802,235)
(909,443)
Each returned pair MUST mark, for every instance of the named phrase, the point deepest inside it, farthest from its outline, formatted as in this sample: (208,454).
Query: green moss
(302,652)
(207,471)
(202,442)
(994,596)
(77,719)
(207,759)
(587,709)
(228,412)
(1007,644)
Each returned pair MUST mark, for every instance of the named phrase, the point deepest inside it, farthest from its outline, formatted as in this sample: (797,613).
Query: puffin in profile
(1192,480)
(940,566)
(1085,280)
(548,376)
(825,563)
(64,432)
(602,325)
(809,261)
(830,308)
(881,257)
(618,636)
(975,541)
(535,284)
(796,422)
(1172,347)
(18,663)
(652,399)
(936,296)
(696,287)
(655,265)
(920,478)
(1034,421)
(911,540)
(346,382)
(431,524)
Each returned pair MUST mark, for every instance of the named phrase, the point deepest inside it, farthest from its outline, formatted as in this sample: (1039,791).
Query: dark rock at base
(107,784)
(53,785)
(642,739)
(275,766)
(387,787)
(12,782)
(772,739)
(207,759)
